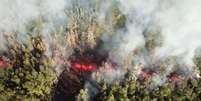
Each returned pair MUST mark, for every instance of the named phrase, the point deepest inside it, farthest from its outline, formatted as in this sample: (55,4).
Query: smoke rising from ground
(17,16)
(178,21)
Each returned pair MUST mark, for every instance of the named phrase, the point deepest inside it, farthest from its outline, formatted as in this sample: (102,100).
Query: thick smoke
(181,27)
(17,16)
(139,16)
(179,23)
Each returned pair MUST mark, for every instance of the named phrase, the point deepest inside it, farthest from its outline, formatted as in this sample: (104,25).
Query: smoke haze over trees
(124,50)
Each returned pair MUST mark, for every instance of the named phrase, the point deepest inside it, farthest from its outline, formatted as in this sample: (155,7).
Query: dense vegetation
(30,74)
(132,90)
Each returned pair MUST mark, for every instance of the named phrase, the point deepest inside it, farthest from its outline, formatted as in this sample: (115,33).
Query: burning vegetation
(174,77)
(146,73)
(93,57)
(87,62)
(82,65)
(3,64)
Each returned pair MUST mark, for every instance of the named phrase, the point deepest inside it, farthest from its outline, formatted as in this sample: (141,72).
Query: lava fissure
(145,73)
(3,63)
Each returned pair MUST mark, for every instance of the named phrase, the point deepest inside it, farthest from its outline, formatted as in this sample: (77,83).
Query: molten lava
(3,64)
(173,77)
(83,63)
(145,73)
(81,66)
(88,61)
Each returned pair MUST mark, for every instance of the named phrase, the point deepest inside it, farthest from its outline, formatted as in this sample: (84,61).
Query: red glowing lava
(145,73)
(3,64)
(109,68)
(173,77)
(88,61)
(81,66)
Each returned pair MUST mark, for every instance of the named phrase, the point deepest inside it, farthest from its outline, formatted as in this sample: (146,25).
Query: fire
(3,64)
(88,64)
(88,61)
(83,64)
(109,68)
(146,73)
(174,77)
(79,66)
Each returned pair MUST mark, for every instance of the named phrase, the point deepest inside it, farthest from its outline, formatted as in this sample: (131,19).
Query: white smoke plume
(179,23)
(16,16)
(181,28)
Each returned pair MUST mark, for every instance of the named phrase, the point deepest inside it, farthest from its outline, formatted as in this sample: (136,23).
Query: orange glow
(81,66)
(146,73)
(3,64)
(174,77)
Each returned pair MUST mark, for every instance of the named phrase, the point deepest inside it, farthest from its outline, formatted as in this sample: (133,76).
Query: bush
(30,77)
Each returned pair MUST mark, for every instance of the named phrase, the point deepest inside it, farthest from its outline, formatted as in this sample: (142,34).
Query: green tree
(31,76)
(83,95)
(110,97)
